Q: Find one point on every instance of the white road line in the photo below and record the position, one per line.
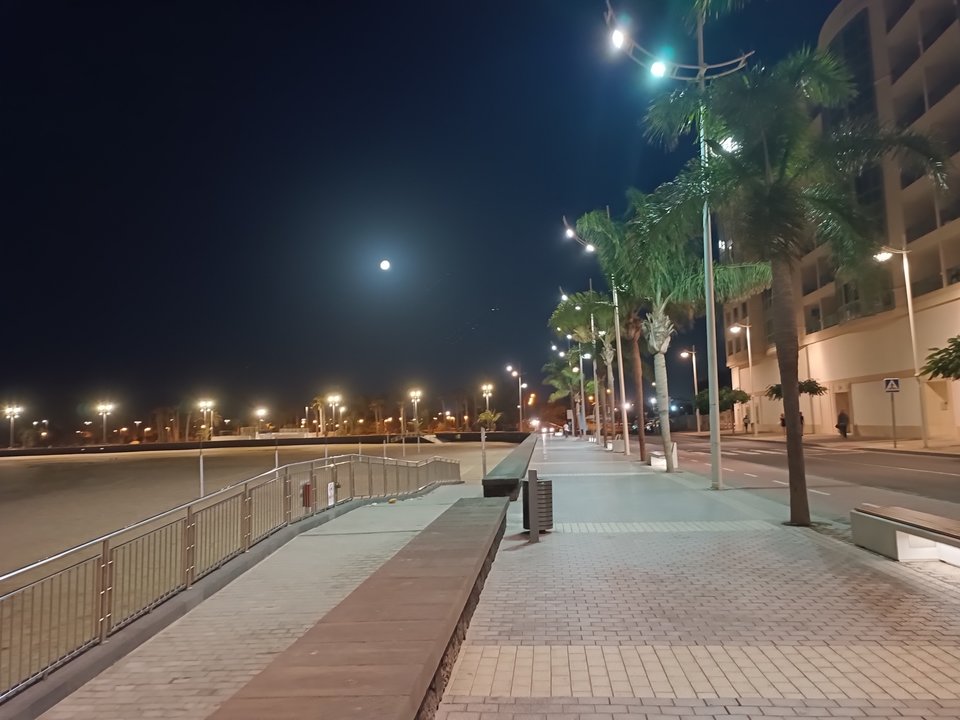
(894, 467)
(781, 482)
(729, 470)
(751, 475)
(818, 492)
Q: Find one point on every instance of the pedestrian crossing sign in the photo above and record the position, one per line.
(891, 385)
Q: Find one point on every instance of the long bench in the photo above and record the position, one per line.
(906, 535)
(387, 650)
(504, 479)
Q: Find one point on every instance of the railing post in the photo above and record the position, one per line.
(353, 488)
(189, 548)
(314, 488)
(287, 498)
(105, 588)
(334, 473)
(246, 517)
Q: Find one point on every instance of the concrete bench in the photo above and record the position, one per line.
(906, 535)
(504, 479)
(386, 651)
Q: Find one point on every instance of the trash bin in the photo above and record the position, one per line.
(544, 504)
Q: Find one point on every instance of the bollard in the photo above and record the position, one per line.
(533, 509)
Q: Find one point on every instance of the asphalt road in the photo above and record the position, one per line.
(49, 504)
(838, 477)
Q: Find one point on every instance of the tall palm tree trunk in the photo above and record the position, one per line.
(788, 354)
(638, 393)
(663, 406)
(602, 400)
(612, 402)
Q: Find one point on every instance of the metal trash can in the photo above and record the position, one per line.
(544, 504)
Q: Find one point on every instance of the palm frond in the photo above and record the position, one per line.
(672, 116)
(820, 77)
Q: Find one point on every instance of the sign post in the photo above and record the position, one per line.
(483, 450)
(891, 386)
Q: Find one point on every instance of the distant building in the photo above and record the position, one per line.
(905, 57)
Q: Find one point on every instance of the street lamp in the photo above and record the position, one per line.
(619, 346)
(487, 389)
(735, 329)
(692, 353)
(104, 409)
(885, 254)
(261, 413)
(206, 406)
(520, 386)
(415, 395)
(13, 412)
(700, 74)
(333, 401)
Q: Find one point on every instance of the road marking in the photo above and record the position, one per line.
(729, 470)
(818, 492)
(594, 474)
(781, 482)
(751, 475)
(894, 467)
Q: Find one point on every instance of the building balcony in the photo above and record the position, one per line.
(921, 227)
(952, 274)
(858, 309)
(926, 285)
(896, 9)
(938, 26)
(903, 61)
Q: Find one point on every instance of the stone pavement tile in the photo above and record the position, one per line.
(189, 669)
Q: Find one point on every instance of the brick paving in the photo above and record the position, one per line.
(656, 598)
(189, 669)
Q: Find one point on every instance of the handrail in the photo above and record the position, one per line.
(74, 600)
(266, 476)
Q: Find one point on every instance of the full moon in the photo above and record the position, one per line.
(384, 264)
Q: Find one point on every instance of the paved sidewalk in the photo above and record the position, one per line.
(655, 597)
(189, 669)
(937, 446)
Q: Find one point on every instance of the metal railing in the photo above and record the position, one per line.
(55, 609)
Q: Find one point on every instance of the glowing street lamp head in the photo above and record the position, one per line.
(509, 368)
(515, 373)
(570, 233)
(564, 297)
(553, 347)
(658, 69)
(618, 38)
(13, 411)
(569, 336)
(883, 256)
(562, 353)
(261, 413)
(384, 264)
(105, 408)
(735, 329)
(589, 247)
(415, 394)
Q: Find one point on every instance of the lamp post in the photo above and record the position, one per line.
(885, 254)
(415, 395)
(692, 354)
(206, 407)
(13, 412)
(735, 329)
(588, 247)
(261, 413)
(104, 409)
(699, 73)
(334, 402)
(520, 386)
(487, 390)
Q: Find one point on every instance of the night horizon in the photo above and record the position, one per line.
(198, 200)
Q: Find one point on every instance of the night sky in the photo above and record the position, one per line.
(196, 195)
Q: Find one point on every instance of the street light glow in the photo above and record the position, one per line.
(658, 69)
(261, 413)
(384, 264)
(618, 38)
(883, 256)
(735, 329)
(589, 247)
(685, 354)
(570, 233)
(509, 368)
(564, 298)
(415, 395)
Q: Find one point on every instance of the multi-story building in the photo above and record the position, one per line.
(905, 58)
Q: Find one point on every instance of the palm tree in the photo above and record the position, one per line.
(662, 269)
(781, 185)
(488, 419)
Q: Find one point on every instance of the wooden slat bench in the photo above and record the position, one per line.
(387, 650)
(903, 534)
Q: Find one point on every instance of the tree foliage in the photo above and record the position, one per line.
(944, 362)
(727, 399)
(488, 419)
(807, 387)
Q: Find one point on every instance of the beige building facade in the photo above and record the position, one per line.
(905, 57)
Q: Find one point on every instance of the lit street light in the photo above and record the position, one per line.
(104, 409)
(13, 412)
(520, 386)
(384, 264)
(735, 329)
(700, 74)
(261, 413)
(487, 389)
(415, 395)
(206, 406)
(333, 401)
(885, 254)
(692, 353)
